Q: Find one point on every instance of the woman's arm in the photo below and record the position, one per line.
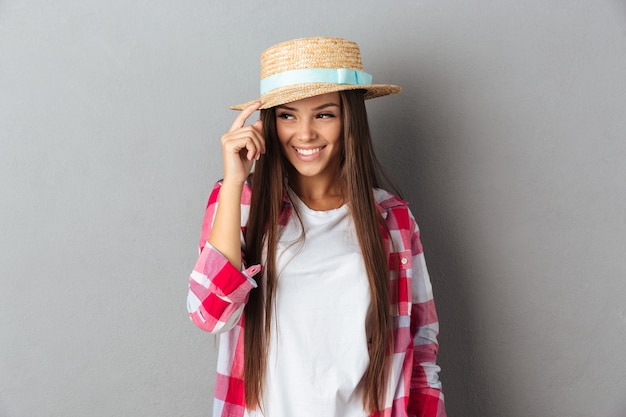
(226, 230)
(218, 287)
(425, 398)
(241, 146)
(218, 290)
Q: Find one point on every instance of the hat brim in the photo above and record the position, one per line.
(296, 92)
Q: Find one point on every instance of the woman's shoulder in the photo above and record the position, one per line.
(394, 211)
(387, 200)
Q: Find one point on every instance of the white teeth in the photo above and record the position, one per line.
(308, 151)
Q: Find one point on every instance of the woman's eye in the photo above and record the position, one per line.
(284, 116)
(325, 115)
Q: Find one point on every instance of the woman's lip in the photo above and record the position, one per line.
(308, 151)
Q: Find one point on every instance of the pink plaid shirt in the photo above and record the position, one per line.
(218, 293)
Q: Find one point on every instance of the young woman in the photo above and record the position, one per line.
(313, 276)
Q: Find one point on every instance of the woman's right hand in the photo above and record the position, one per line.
(241, 146)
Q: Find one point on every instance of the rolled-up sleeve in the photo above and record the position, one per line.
(218, 291)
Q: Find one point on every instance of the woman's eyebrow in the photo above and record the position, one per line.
(323, 106)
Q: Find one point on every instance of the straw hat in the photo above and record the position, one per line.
(307, 67)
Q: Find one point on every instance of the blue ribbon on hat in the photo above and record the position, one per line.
(315, 75)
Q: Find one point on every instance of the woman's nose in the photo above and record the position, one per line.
(306, 130)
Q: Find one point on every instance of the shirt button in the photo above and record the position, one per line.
(404, 261)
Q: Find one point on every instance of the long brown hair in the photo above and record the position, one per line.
(358, 177)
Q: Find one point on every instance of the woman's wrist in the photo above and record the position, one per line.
(232, 184)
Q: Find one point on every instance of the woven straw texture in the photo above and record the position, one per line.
(312, 53)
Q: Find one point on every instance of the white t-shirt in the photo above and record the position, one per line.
(318, 351)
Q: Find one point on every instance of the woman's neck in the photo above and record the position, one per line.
(317, 193)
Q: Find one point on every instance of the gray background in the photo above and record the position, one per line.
(509, 140)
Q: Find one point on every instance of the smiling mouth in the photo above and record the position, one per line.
(307, 152)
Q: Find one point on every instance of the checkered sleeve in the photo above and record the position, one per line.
(218, 291)
(425, 398)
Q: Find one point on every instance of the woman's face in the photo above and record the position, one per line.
(310, 133)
